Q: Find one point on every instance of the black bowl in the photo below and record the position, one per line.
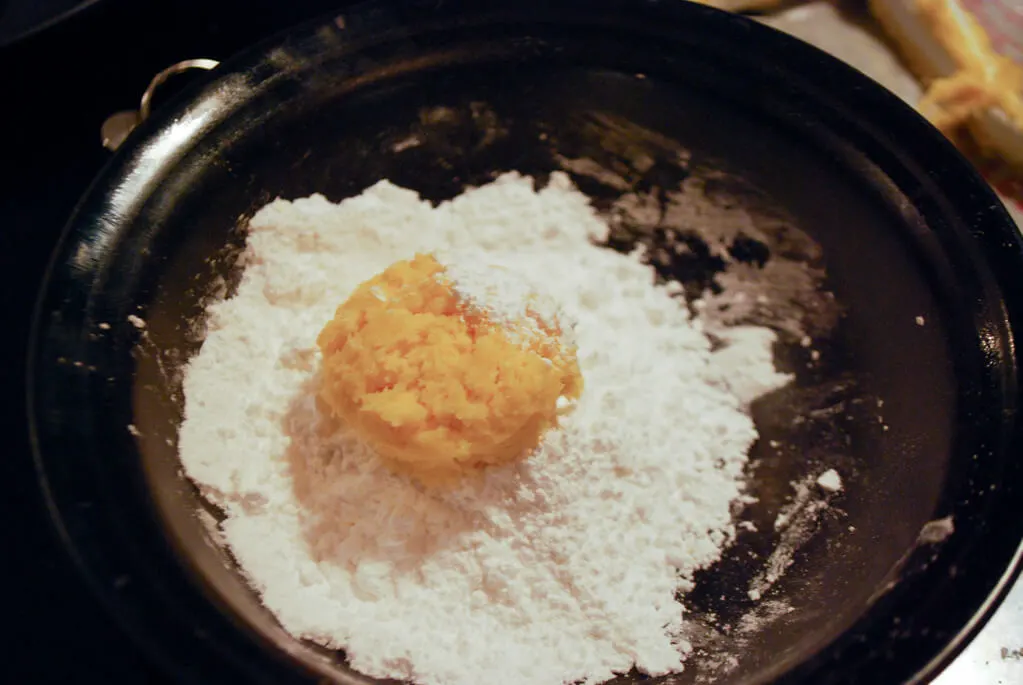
(874, 236)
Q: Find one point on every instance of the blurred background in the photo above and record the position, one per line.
(67, 65)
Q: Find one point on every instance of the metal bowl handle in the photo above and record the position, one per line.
(117, 126)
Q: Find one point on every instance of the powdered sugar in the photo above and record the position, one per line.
(830, 481)
(560, 568)
(497, 291)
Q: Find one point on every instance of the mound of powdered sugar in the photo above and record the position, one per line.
(564, 567)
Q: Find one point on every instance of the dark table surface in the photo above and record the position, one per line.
(57, 86)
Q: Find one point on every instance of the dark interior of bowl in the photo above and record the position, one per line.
(906, 385)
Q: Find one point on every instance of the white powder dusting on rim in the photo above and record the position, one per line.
(563, 567)
(936, 531)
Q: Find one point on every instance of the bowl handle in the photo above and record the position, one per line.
(117, 126)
